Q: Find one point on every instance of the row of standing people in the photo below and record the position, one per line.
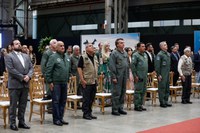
(56, 68)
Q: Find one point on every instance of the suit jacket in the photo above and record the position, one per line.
(2, 65)
(174, 63)
(197, 62)
(16, 71)
(150, 63)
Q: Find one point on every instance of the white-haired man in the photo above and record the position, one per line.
(162, 67)
(185, 71)
(44, 61)
(74, 65)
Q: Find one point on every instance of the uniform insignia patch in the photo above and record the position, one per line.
(58, 59)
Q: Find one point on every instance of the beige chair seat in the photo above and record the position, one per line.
(4, 103)
(103, 94)
(152, 89)
(39, 100)
(74, 97)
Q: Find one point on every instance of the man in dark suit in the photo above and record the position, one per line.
(150, 56)
(174, 64)
(197, 65)
(20, 71)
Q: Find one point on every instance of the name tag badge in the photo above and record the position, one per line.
(164, 63)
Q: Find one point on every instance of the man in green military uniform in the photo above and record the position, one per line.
(74, 65)
(118, 66)
(44, 61)
(139, 66)
(162, 67)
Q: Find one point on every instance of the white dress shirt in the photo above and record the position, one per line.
(19, 55)
(150, 55)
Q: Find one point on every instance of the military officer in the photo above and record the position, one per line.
(119, 74)
(162, 67)
(139, 69)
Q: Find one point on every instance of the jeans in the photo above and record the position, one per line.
(59, 97)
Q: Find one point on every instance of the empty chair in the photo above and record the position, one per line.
(4, 99)
(36, 98)
(72, 94)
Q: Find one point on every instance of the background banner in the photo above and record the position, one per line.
(131, 39)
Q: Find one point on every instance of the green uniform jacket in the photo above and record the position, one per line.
(74, 64)
(139, 65)
(58, 68)
(44, 60)
(162, 63)
(118, 64)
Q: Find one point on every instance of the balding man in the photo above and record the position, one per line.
(185, 70)
(45, 59)
(162, 67)
(57, 76)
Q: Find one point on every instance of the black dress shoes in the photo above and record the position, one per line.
(64, 122)
(138, 109)
(58, 123)
(93, 117)
(163, 105)
(87, 117)
(115, 113)
(184, 102)
(189, 102)
(122, 112)
(143, 109)
(23, 125)
(168, 105)
(13, 127)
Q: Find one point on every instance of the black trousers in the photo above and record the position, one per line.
(175, 78)
(18, 99)
(88, 98)
(186, 88)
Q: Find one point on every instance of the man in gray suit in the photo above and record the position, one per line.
(20, 71)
